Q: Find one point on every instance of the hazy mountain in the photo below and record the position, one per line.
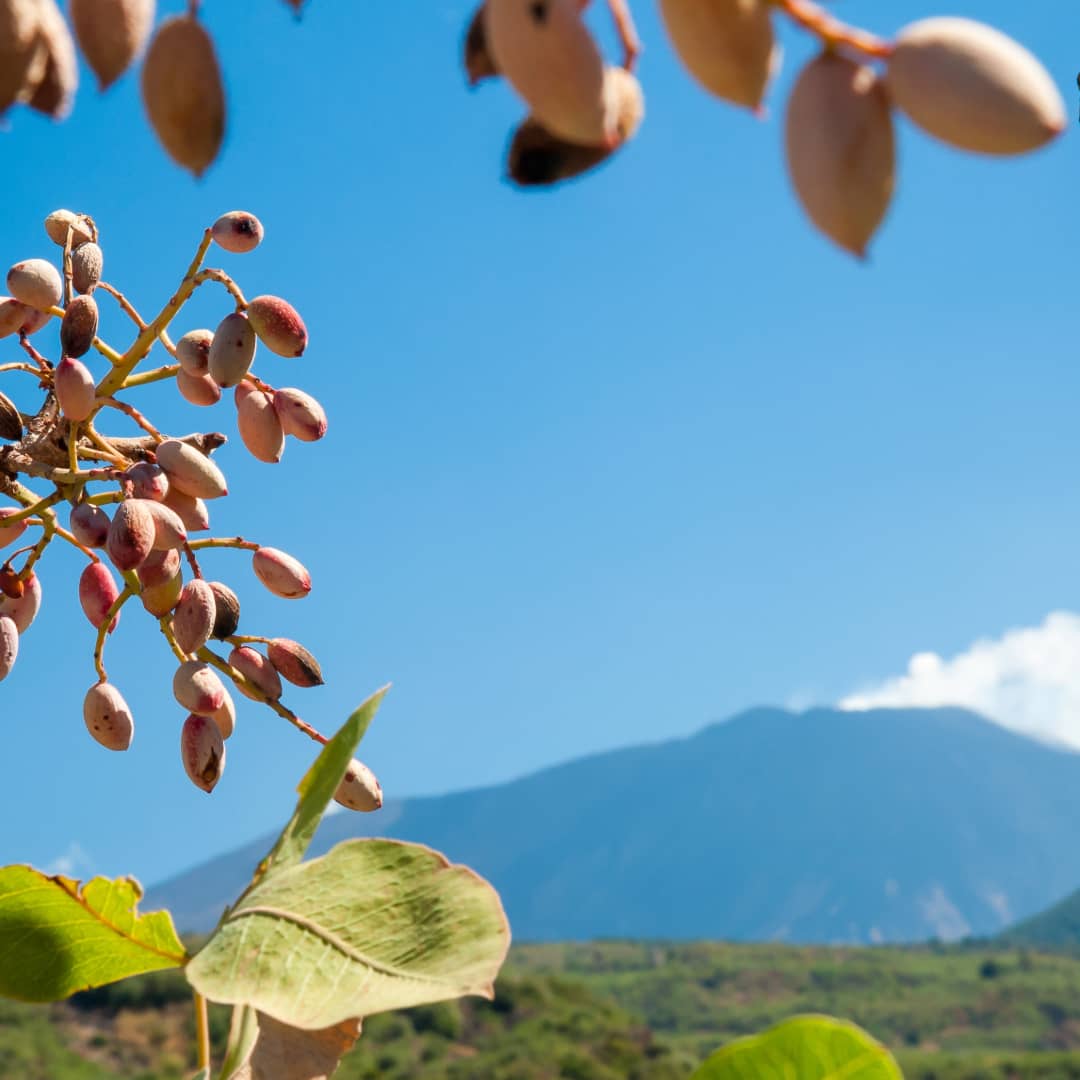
(886, 825)
(1058, 927)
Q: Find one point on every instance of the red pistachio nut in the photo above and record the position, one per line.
(359, 789)
(282, 574)
(258, 671)
(98, 592)
(190, 471)
(278, 325)
(202, 750)
(131, 533)
(197, 687)
(300, 414)
(22, 610)
(193, 618)
(75, 389)
(107, 716)
(294, 663)
(237, 231)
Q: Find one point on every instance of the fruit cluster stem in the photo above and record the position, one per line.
(832, 32)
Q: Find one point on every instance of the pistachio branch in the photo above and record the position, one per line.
(831, 31)
(144, 342)
(248, 687)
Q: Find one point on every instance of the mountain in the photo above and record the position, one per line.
(830, 826)
(1058, 927)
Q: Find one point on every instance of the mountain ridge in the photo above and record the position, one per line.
(823, 825)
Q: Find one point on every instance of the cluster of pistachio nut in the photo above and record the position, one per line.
(961, 81)
(182, 87)
(136, 501)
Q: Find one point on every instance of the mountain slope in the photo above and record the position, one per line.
(1058, 927)
(819, 826)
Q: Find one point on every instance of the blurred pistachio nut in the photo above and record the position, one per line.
(54, 92)
(282, 574)
(226, 611)
(9, 645)
(191, 510)
(183, 93)
(59, 222)
(278, 325)
(974, 87)
(202, 750)
(536, 158)
(232, 350)
(258, 671)
(197, 687)
(111, 34)
(12, 315)
(840, 148)
(259, 427)
(79, 326)
(132, 532)
(10, 533)
(108, 717)
(87, 262)
(148, 481)
(36, 283)
(75, 388)
(547, 53)
(193, 618)
(294, 663)
(158, 567)
(237, 231)
(359, 790)
(624, 104)
(169, 529)
(198, 389)
(22, 60)
(300, 414)
(190, 471)
(193, 351)
(726, 45)
(89, 524)
(225, 717)
(22, 610)
(98, 592)
(11, 426)
(479, 63)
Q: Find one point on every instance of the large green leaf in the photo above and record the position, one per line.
(317, 788)
(372, 925)
(57, 938)
(803, 1048)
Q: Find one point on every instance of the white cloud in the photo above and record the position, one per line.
(72, 863)
(1027, 680)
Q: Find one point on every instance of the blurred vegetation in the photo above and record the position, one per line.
(621, 1011)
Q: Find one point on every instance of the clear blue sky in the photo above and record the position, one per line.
(605, 464)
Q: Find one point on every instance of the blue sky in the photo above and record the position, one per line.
(605, 464)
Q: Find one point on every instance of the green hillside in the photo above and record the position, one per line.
(1057, 927)
(624, 1011)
